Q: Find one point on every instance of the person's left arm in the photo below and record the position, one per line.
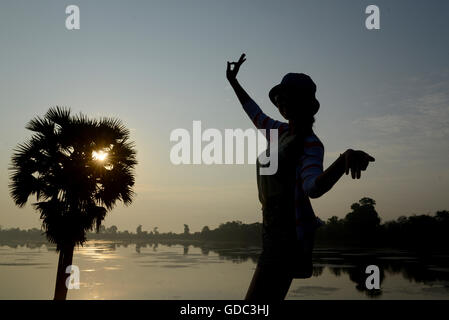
(317, 182)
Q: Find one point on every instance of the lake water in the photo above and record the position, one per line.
(110, 270)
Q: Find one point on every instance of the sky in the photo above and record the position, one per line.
(160, 65)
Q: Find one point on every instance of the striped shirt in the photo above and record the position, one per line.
(308, 168)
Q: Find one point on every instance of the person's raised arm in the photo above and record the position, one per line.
(252, 109)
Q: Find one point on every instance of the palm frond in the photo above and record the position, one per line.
(41, 125)
(58, 115)
(116, 127)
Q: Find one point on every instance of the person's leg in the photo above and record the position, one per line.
(269, 283)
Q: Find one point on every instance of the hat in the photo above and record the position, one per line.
(297, 84)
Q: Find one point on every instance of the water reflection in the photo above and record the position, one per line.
(399, 269)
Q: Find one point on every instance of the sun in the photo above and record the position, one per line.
(99, 155)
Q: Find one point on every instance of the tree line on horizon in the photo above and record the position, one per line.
(360, 227)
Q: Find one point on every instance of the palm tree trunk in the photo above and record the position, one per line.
(65, 260)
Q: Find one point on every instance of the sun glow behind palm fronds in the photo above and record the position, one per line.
(99, 155)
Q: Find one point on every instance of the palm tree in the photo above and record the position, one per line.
(78, 168)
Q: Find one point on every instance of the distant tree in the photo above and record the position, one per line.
(367, 202)
(441, 216)
(362, 223)
(333, 230)
(112, 229)
(205, 230)
(139, 230)
(442, 221)
(186, 229)
(402, 219)
(155, 231)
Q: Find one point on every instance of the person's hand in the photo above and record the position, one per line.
(232, 74)
(356, 161)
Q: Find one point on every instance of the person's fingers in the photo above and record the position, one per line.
(358, 170)
(352, 172)
(346, 164)
(364, 165)
(368, 157)
(366, 160)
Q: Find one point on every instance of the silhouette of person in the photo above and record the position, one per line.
(289, 222)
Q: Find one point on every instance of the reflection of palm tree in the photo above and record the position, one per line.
(78, 168)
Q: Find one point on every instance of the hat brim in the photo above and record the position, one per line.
(283, 88)
(275, 90)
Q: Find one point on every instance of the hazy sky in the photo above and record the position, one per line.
(159, 65)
